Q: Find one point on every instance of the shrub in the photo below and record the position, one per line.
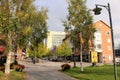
(2, 60)
(15, 62)
(65, 67)
(18, 67)
(2, 68)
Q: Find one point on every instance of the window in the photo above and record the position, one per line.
(100, 24)
(108, 33)
(108, 40)
(110, 57)
(99, 46)
(109, 47)
(98, 30)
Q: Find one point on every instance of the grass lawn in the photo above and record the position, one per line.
(12, 76)
(105, 72)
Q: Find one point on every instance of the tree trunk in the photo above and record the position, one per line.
(7, 65)
(74, 57)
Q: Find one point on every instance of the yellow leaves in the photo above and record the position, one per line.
(27, 30)
(26, 15)
(4, 19)
(82, 41)
(22, 15)
(78, 7)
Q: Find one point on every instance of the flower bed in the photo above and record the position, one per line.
(18, 67)
(2, 68)
(65, 66)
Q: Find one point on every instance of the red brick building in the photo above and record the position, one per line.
(103, 42)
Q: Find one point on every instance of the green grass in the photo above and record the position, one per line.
(105, 72)
(12, 76)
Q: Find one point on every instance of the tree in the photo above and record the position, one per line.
(32, 23)
(42, 50)
(7, 27)
(63, 50)
(39, 27)
(21, 24)
(79, 21)
(22, 12)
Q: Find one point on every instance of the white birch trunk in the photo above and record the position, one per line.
(7, 65)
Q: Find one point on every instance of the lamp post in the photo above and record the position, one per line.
(97, 12)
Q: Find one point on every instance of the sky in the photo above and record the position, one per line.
(57, 11)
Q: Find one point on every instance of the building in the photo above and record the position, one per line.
(103, 42)
(54, 39)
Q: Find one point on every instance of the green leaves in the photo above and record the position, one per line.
(63, 50)
(38, 25)
(39, 51)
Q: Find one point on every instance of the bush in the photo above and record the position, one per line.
(2, 60)
(2, 68)
(18, 67)
(65, 67)
(14, 63)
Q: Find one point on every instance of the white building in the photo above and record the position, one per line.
(54, 39)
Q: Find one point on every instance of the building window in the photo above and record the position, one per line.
(108, 40)
(110, 57)
(100, 24)
(109, 47)
(99, 46)
(98, 30)
(108, 33)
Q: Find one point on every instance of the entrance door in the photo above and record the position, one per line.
(99, 57)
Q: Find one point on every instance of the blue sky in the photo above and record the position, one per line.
(58, 11)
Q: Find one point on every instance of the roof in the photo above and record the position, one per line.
(104, 23)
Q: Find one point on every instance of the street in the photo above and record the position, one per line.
(45, 70)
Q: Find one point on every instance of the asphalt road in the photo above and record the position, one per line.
(45, 70)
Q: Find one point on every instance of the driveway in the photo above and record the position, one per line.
(45, 70)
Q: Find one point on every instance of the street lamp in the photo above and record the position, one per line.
(97, 12)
